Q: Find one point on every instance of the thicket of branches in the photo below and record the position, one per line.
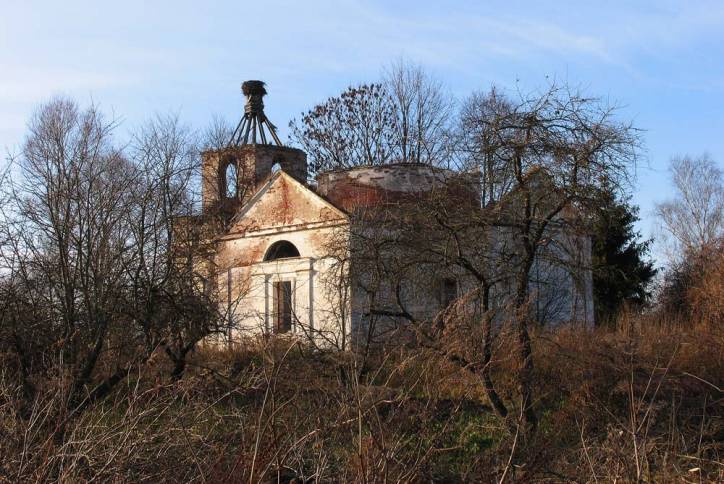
(540, 165)
(692, 235)
(91, 285)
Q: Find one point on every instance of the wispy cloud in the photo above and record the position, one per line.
(28, 84)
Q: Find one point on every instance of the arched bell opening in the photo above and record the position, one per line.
(231, 184)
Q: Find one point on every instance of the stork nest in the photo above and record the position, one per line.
(253, 87)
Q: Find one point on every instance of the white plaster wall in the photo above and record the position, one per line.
(327, 309)
(246, 283)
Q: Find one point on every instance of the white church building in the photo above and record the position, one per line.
(278, 246)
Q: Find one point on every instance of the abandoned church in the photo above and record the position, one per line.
(284, 253)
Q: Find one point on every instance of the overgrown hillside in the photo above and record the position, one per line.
(642, 402)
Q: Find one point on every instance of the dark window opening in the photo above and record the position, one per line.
(281, 250)
(448, 292)
(282, 306)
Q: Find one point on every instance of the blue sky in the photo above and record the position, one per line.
(663, 61)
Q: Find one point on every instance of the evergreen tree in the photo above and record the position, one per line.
(622, 272)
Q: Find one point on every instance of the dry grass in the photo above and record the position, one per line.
(639, 403)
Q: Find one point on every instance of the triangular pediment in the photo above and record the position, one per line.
(282, 202)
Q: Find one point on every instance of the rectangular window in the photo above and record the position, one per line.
(448, 292)
(282, 306)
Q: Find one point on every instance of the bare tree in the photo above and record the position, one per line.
(694, 218)
(167, 299)
(90, 264)
(217, 134)
(515, 221)
(404, 118)
(510, 229)
(478, 145)
(545, 158)
(423, 110)
(348, 130)
(67, 233)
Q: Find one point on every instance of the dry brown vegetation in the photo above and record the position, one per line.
(641, 402)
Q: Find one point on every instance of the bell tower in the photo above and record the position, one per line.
(232, 174)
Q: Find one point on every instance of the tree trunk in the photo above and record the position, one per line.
(490, 390)
(525, 373)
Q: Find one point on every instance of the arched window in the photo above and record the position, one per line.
(281, 250)
(231, 182)
(276, 166)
